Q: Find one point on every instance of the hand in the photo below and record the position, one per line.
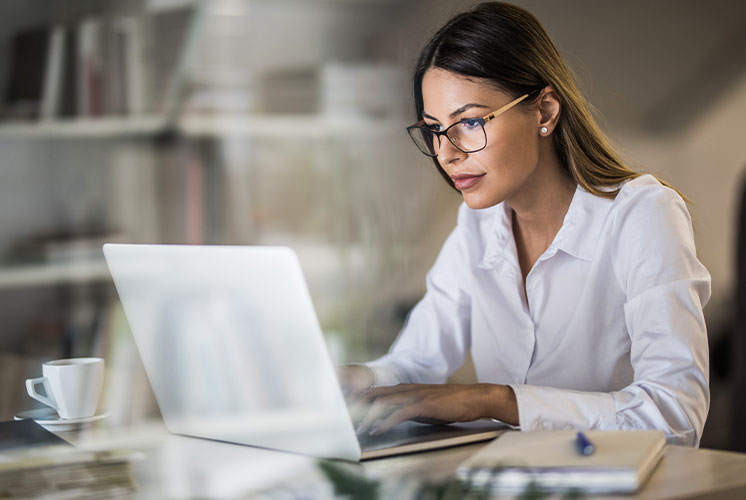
(354, 379)
(381, 408)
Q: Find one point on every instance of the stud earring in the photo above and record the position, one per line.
(544, 130)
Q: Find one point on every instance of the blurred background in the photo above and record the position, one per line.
(282, 122)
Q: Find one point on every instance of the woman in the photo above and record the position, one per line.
(572, 279)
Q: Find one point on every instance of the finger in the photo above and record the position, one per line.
(357, 410)
(365, 393)
(363, 410)
(359, 399)
(394, 419)
(354, 398)
(381, 407)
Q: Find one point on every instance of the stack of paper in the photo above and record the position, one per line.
(62, 472)
(549, 461)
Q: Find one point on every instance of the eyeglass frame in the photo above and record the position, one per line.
(491, 116)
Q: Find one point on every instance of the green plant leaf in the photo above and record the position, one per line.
(348, 482)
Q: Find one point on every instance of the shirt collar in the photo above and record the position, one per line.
(583, 223)
(578, 235)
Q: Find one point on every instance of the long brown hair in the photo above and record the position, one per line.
(508, 47)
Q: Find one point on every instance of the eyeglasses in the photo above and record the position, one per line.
(467, 135)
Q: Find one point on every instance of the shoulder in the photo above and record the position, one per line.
(652, 236)
(646, 195)
(646, 208)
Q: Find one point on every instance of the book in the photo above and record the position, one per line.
(61, 471)
(129, 33)
(37, 463)
(52, 91)
(170, 30)
(114, 72)
(28, 61)
(68, 105)
(549, 461)
(90, 63)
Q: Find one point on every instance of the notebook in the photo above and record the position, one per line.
(548, 460)
(234, 352)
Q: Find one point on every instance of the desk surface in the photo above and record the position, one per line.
(683, 473)
(182, 467)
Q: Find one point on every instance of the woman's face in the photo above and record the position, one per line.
(501, 170)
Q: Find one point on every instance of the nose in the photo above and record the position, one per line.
(447, 152)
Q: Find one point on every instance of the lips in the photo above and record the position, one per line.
(466, 181)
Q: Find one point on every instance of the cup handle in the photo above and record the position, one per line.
(31, 389)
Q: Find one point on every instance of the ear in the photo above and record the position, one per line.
(549, 110)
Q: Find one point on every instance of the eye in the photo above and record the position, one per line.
(433, 126)
(471, 123)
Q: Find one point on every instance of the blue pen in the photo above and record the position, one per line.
(584, 445)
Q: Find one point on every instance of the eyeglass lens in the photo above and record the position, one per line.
(467, 135)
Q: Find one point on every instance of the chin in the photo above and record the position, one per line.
(478, 200)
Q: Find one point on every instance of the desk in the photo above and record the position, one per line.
(182, 467)
(683, 473)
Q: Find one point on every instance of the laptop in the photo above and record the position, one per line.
(234, 352)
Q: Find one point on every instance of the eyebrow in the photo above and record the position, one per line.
(460, 110)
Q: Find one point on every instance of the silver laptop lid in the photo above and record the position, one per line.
(232, 346)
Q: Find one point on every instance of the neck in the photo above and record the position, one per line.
(539, 209)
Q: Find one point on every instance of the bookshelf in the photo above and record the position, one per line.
(317, 140)
(80, 151)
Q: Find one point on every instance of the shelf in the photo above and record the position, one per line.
(67, 273)
(82, 128)
(289, 126)
(249, 126)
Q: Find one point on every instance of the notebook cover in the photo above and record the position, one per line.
(622, 461)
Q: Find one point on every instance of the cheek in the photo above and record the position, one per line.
(512, 154)
(509, 162)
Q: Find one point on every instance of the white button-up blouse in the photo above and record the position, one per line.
(609, 334)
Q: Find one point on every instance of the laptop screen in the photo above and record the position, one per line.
(232, 346)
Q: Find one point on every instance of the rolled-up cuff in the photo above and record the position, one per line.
(549, 408)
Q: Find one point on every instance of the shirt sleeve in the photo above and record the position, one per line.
(655, 262)
(435, 339)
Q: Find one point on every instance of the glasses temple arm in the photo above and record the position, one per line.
(502, 110)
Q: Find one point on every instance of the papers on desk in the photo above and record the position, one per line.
(61, 471)
(549, 461)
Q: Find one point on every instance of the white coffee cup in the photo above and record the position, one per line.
(72, 386)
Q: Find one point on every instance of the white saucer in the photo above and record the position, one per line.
(50, 420)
